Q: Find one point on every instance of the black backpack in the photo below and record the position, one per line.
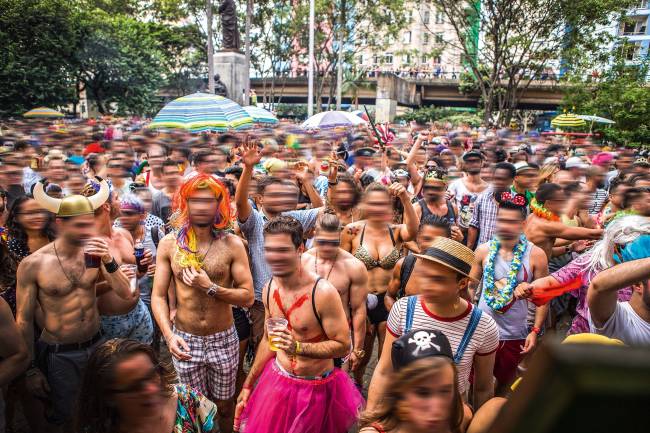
(405, 273)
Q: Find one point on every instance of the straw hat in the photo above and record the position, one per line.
(449, 253)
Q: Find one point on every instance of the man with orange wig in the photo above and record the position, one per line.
(209, 267)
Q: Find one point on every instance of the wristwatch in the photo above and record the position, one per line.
(360, 353)
(212, 290)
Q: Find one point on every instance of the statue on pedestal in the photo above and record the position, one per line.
(229, 29)
(220, 88)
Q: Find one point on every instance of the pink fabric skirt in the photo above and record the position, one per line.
(281, 403)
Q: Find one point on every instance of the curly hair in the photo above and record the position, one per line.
(17, 231)
(95, 410)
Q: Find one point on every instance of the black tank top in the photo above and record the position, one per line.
(451, 216)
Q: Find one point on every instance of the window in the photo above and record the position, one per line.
(409, 16)
(360, 59)
(440, 39)
(425, 17)
(406, 38)
(425, 39)
(388, 58)
(632, 51)
(375, 59)
(406, 59)
(440, 17)
(423, 60)
(437, 60)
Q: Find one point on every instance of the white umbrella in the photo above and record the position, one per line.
(595, 119)
(332, 119)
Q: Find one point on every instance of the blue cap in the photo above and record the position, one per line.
(639, 249)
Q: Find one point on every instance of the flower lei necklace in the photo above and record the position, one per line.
(542, 212)
(495, 298)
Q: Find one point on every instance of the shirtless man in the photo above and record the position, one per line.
(277, 394)
(543, 226)
(56, 280)
(120, 318)
(346, 273)
(209, 267)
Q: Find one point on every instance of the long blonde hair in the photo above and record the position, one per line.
(546, 173)
(403, 381)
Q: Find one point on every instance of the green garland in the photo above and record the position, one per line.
(495, 298)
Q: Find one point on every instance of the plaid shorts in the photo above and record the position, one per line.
(213, 366)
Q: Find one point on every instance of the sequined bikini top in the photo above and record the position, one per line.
(387, 262)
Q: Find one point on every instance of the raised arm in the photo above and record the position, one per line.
(409, 229)
(603, 290)
(14, 357)
(250, 157)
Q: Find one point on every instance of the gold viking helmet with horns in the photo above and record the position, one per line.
(72, 205)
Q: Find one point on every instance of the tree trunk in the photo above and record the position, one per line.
(210, 49)
(247, 48)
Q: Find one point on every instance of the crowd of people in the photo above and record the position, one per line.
(304, 282)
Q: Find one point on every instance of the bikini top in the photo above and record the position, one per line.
(387, 262)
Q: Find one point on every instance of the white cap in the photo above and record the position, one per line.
(575, 162)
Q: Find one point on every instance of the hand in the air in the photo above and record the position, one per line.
(397, 190)
(98, 247)
(251, 154)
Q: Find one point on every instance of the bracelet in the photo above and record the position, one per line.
(298, 348)
(332, 183)
(111, 266)
(536, 330)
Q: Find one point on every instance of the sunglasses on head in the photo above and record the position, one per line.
(328, 242)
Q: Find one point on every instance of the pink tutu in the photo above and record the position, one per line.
(282, 403)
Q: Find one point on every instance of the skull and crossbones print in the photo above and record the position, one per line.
(423, 341)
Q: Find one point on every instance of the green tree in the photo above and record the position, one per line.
(520, 40)
(119, 62)
(38, 40)
(622, 95)
(356, 24)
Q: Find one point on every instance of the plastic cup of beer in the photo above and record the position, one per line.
(133, 278)
(275, 324)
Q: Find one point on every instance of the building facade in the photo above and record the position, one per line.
(426, 48)
(636, 30)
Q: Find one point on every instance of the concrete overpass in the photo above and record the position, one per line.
(387, 91)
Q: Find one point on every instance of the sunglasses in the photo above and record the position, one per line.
(327, 242)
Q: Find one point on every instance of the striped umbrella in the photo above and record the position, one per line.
(567, 121)
(260, 115)
(202, 112)
(43, 112)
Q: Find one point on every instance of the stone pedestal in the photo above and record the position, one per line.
(231, 67)
(385, 110)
